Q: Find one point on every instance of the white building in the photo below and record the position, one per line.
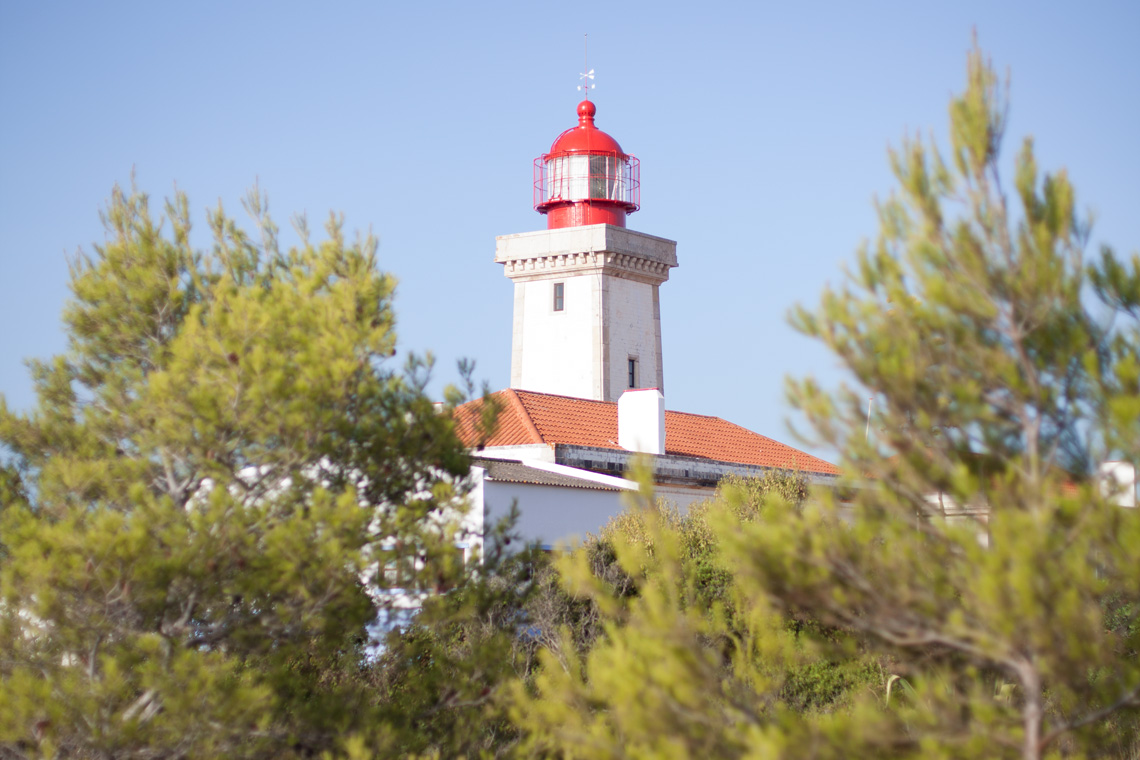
(587, 371)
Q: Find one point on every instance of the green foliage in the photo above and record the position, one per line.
(660, 661)
(443, 675)
(741, 497)
(973, 561)
(823, 685)
(653, 652)
(185, 538)
(999, 383)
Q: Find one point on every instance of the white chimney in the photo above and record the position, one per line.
(1118, 480)
(641, 421)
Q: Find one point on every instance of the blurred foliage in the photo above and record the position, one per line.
(652, 650)
(213, 475)
(973, 558)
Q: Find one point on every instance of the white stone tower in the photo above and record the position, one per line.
(587, 316)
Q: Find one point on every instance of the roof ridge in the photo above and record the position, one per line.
(521, 410)
(562, 396)
(705, 416)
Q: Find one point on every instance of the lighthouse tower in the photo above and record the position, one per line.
(587, 315)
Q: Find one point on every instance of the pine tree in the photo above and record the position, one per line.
(214, 475)
(985, 553)
(650, 648)
(974, 551)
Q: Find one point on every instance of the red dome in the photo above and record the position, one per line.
(586, 138)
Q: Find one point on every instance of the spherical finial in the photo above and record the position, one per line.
(586, 111)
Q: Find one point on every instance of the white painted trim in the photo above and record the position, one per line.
(528, 453)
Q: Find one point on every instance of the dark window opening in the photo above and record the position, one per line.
(633, 373)
(559, 296)
(599, 176)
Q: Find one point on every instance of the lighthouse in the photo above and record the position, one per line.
(587, 308)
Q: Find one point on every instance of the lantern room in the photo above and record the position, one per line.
(586, 178)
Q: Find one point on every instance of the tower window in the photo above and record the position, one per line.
(633, 373)
(559, 296)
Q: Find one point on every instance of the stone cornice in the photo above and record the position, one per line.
(600, 248)
(622, 265)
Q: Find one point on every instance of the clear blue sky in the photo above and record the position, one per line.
(762, 129)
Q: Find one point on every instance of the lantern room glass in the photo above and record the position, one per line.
(588, 177)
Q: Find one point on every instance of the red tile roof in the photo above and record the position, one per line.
(529, 418)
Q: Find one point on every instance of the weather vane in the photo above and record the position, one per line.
(589, 73)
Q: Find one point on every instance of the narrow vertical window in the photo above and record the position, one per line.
(633, 373)
(559, 296)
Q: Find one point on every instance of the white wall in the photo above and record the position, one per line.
(557, 350)
(550, 514)
(632, 330)
(1119, 482)
(682, 497)
(583, 350)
